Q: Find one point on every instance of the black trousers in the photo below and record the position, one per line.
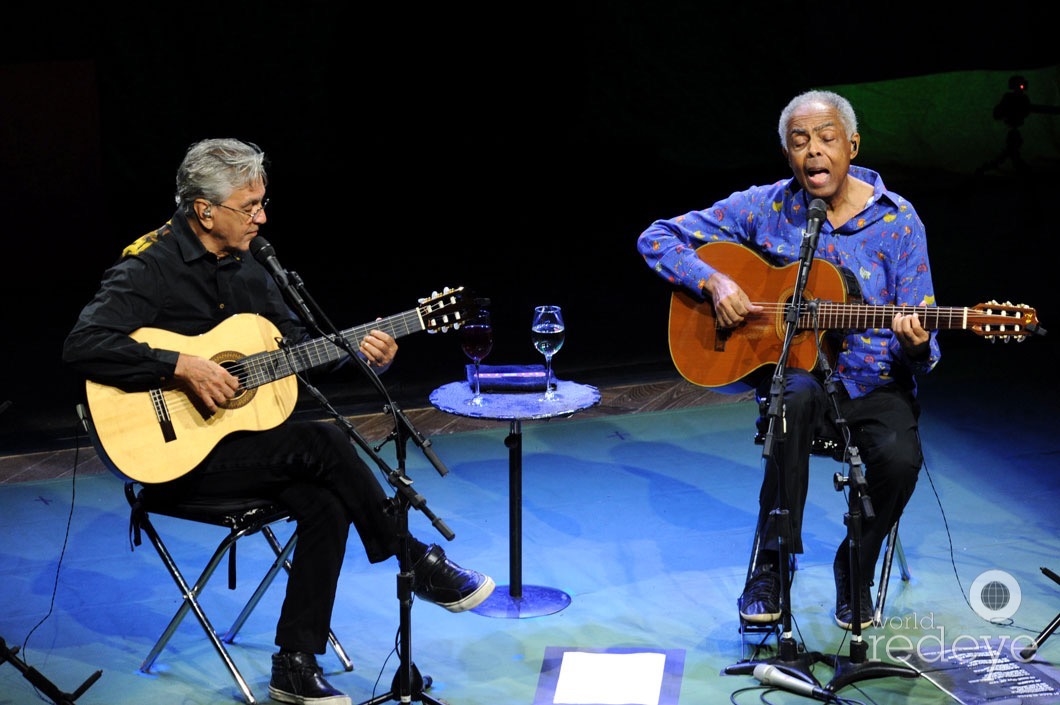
(311, 468)
(884, 427)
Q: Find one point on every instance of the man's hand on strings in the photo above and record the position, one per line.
(731, 305)
(211, 383)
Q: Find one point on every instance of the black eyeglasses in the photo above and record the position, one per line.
(250, 214)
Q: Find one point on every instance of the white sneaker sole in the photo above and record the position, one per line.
(474, 599)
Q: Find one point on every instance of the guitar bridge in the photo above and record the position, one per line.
(165, 421)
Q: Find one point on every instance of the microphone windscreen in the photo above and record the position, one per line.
(261, 249)
(818, 210)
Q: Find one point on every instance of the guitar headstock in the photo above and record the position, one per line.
(445, 310)
(997, 321)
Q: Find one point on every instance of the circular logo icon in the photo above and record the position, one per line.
(995, 595)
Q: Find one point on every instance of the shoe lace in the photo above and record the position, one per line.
(764, 584)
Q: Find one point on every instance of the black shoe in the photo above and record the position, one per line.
(760, 601)
(437, 579)
(296, 678)
(844, 613)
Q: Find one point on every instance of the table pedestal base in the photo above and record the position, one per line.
(536, 601)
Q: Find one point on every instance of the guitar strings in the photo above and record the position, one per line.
(998, 318)
(260, 368)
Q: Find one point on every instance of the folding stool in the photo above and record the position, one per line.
(242, 517)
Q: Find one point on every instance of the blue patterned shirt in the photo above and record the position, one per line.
(884, 247)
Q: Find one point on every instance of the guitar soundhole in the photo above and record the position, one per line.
(228, 360)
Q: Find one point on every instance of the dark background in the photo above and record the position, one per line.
(517, 153)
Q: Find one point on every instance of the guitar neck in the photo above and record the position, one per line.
(264, 367)
(830, 315)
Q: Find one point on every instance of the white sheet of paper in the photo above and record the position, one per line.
(609, 679)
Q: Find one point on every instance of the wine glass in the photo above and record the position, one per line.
(546, 333)
(476, 339)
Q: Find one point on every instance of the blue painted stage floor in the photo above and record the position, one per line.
(644, 519)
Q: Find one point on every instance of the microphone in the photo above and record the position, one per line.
(264, 253)
(814, 218)
(775, 678)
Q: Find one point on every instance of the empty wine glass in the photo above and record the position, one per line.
(546, 333)
(476, 339)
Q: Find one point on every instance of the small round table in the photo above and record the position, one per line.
(517, 600)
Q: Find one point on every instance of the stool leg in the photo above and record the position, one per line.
(894, 544)
(282, 553)
(755, 548)
(282, 561)
(902, 564)
(191, 603)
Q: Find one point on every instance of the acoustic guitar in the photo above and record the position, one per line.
(723, 358)
(161, 434)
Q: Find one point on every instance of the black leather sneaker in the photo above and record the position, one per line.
(760, 601)
(437, 579)
(296, 678)
(844, 613)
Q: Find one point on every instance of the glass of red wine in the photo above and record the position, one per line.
(476, 339)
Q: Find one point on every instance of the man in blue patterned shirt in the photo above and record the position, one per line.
(876, 238)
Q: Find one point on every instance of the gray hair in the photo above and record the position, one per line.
(833, 100)
(214, 168)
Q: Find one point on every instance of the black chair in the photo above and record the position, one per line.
(827, 447)
(241, 518)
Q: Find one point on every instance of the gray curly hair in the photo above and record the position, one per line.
(833, 100)
(214, 168)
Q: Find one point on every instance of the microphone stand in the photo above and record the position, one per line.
(1028, 653)
(788, 659)
(857, 666)
(408, 684)
(39, 681)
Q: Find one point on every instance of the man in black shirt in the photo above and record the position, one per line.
(187, 277)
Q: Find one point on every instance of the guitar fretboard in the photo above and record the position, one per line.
(826, 314)
(831, 315)
(264, 367)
